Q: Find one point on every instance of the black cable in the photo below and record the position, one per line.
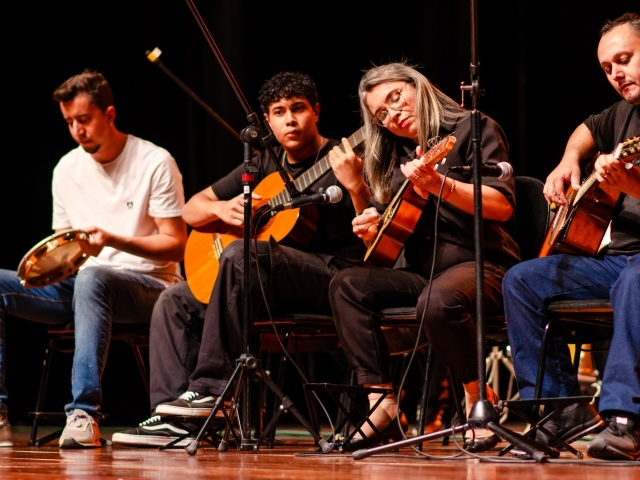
(256, 223)
(422, 318)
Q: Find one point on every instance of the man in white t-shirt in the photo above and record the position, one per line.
(127, 194)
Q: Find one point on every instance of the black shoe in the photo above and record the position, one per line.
(571, 423)
(619, 441)
(189, 404)
(481, 444)
(153, 432)
(391, 432)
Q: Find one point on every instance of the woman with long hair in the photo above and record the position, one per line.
(404, 115)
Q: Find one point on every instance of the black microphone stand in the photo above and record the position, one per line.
(483, 413)
(247, 364)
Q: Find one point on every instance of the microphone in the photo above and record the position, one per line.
(502, 171)
(333, 194)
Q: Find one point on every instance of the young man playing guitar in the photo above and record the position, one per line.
(614, 273)
(193, 355)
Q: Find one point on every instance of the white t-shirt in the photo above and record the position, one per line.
(123, 197)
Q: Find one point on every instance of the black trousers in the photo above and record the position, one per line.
(358, 295)
(293, 280)
(174, 342)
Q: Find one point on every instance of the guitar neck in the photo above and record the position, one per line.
(309, 177)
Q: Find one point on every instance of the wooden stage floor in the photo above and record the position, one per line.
(49, 462)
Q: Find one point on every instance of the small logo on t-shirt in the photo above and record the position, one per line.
(129, 205)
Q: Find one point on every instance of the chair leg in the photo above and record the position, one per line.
(281, 372)
(424, 399)
(347, 425)
(44, 379)
(576, 357)
(142, 368)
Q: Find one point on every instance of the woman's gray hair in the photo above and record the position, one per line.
(432, 109)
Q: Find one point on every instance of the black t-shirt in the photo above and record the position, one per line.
(455, 227)
(614, 125)
(334, 235)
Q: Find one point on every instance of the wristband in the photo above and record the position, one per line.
(453, 187)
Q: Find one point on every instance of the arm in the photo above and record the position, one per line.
(168, 244)
(205, 207)
(347, 167)
(580, 147)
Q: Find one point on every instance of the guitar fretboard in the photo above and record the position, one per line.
(309, 177)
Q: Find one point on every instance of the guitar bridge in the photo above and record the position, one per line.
(217, 247)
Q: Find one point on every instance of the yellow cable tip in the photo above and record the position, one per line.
(154, 55)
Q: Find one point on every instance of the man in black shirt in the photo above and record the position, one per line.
(192, 353)
(614, 273)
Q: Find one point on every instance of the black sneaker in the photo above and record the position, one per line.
(153, 432)
(619, 441)
(189, 404)
(571, 423)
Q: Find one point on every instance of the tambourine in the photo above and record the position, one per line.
(54, 258)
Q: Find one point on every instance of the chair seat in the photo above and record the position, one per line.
(584, 321)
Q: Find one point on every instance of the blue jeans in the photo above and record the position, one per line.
(530, 286)
(93, 299)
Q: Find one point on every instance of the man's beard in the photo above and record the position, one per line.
(91, 150)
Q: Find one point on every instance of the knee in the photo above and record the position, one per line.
(627, 285)
(343, 284)
(513, 279)
(234, 252)
(92, 277)
(441, 308)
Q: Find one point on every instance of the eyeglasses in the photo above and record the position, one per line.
(396, 102)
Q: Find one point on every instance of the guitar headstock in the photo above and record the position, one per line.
(629, 151)
(440, 150)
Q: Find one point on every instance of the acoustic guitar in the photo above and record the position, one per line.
(579, 226)
(295, 227)
(401, 216)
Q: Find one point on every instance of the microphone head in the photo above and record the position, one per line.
(507, 171)
(334, 194)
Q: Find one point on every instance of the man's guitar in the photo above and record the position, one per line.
(295, 227)
(580, 226)
(402, 214)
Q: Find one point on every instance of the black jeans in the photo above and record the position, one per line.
(176, 334)
(358, 295)
(292, 279)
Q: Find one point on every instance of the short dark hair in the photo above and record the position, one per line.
(287, 85)
(92, 83)
(633, 19)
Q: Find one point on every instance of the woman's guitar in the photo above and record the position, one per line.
(295, 227)
(402, 215)
(580, 226)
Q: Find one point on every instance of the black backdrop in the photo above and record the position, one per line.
(539, 69)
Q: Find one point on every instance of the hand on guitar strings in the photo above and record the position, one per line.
(615, 174)
(231, 211)
(365, 225)
(424, 178)
(554, 187)
(346, 165)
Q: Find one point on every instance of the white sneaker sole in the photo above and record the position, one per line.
(169, 410)
(148, 440)
(73, 443)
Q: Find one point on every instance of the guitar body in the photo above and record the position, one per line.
(295, 227)
(580, 226)
(401, 216)
(398, 221)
